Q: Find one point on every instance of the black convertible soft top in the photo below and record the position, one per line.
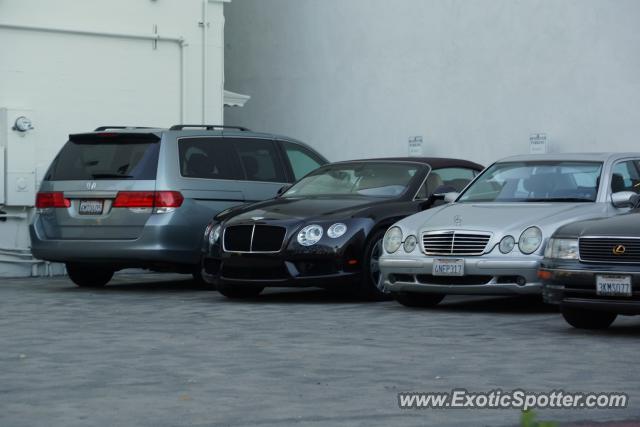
(434, 162)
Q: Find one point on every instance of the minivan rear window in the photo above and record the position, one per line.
(98, 157)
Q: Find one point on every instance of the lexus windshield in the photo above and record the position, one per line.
(536, 181)
(360, 179)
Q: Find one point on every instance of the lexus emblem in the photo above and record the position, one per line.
(619, 250)
(91, 185)
(457, 220)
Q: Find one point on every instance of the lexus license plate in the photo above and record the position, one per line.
(91, 207)
(613, 285)
(448, 267)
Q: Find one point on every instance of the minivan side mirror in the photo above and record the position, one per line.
(283, 189)
(624, 199)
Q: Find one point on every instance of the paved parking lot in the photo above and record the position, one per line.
(163, 353)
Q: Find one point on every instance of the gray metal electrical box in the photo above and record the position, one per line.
(17, 141)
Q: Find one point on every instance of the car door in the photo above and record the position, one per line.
(625, 176)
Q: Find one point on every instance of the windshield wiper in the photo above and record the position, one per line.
(559, 199)
(110, 175)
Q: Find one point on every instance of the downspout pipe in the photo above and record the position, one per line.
(180, 41)
(205, 40)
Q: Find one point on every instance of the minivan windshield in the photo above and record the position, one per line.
(536, 181)
(97, 158)
(361, 179)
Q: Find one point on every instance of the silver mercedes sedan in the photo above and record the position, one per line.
(490, 238)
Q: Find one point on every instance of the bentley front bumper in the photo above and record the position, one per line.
(482, 276)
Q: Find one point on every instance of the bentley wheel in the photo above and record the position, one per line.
(414, 299)
(239, 291)
(88, 276)
(587, 319)
(372, 286)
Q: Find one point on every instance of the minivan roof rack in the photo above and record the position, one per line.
(209, 127)
(101, 128)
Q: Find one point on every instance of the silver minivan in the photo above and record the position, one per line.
(124, 197)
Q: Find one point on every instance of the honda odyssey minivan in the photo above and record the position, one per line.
(123, 197)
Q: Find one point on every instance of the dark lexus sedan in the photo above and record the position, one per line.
(326, 230)
(592, 270)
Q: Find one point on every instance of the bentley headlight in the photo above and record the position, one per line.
(507, 244)
(530, 240)
(336, 230)
(310, 235)
(392, 239)
(562, 249)
(214, 234)
(410, 244)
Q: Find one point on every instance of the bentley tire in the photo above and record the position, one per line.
(414, 299)
(587, 319)
(372, 285)
(88, 276)
(239, 292)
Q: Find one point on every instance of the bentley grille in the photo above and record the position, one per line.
(454, 243)
(609, 249)
(253, 238)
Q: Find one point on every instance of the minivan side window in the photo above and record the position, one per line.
(260, 159)
(302, 160)
(209, 158)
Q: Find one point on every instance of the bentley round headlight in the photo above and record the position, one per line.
(410, 243)
(530, 240)
(310, 235)
(392, 239)
(214, 234)
(336, 230)
(507, 244)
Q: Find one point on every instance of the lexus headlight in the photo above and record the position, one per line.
(392, 239)
(310, 235)
(530, 240)
(214, 234)
(562, 249)
(336, 230)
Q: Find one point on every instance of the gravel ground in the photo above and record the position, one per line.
(153, 350)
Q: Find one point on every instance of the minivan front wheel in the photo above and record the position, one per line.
(88, 275)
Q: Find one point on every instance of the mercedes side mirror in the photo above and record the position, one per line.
(450, 197)
(283, 189)
(624, 199)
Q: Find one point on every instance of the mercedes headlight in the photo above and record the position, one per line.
(562, 249)
(507, 244)
(310, 235)
(336, 230)
(214, 234)
(410, 244)
(530, 240)
(392, 239)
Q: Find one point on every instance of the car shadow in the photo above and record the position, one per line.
(153, 282)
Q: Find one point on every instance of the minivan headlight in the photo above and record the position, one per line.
(392, 239)
(214, 234)
(310, 235)
(530, 240)
(562, 249)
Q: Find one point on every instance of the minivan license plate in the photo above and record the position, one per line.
(91, 207)
(614, 286)
(448, 267)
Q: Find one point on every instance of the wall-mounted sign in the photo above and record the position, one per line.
(415, 146)
(538, 143)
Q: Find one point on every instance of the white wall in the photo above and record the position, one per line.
(474, 77)
(75, 82)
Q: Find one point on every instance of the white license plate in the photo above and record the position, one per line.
(448, 267)
(612, 285)
(91, 207)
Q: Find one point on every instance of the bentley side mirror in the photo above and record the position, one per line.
(624, 199)
(437, 199)
(283, 189)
